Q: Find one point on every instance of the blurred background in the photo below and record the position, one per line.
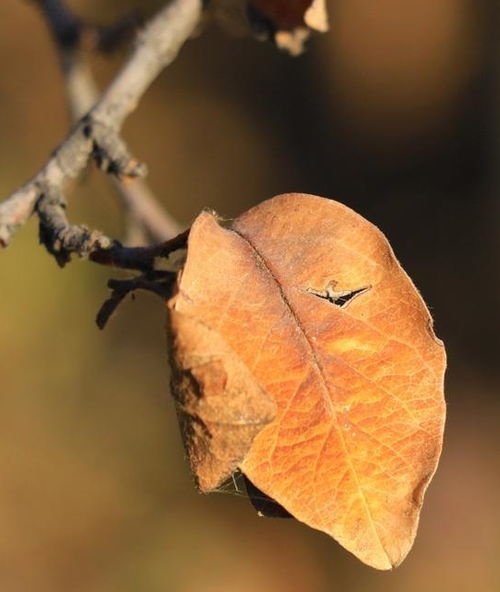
(396, 113)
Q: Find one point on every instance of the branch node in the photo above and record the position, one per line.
(110, 152)
(60, 238)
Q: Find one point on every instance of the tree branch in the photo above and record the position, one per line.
(146, 220)
(97, 134)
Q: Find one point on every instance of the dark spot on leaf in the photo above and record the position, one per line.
(341, 298)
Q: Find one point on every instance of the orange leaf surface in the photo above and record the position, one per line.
(300, 306)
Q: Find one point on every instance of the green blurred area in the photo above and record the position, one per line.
(395, 112)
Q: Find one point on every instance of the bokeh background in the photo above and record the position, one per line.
(396, 113)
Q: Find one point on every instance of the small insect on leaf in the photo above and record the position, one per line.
(304, 357)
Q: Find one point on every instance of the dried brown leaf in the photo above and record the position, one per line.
(288, 22)
(304, 301)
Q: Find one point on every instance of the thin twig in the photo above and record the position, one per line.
(160, 284)
(97, 134)
(61, 239)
